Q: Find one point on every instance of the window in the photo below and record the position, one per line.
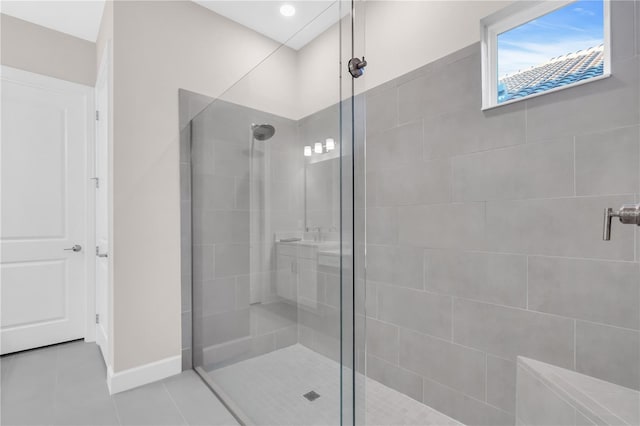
(531, 48)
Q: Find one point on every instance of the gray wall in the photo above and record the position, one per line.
(41, 50)
(484, 232)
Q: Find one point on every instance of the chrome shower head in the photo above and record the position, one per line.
(262, 132)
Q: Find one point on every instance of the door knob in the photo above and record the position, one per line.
(629, 214)
(75, 248)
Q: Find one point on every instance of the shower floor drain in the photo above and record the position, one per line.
(312, 396)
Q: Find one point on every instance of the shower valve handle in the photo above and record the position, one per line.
(629, 214)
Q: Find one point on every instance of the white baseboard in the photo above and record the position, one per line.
(148, 373)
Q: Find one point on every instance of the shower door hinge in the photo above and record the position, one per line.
(97, 115)
(97, 318)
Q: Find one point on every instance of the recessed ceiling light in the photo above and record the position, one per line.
(287, 10)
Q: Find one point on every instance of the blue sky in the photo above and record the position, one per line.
(574, 27)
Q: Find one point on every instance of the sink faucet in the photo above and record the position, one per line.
(317, 233)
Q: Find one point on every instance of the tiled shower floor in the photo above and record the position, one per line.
(269, 389)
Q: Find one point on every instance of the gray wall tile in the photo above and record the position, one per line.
(232, 259)
(203, 263)
(425, 312)
(382, 111)
(614, 101)
(462, 407)
(525, 171)
(397, 265)
(382, 225)
(604, 292)
(411, 96)
(212, 192)
(231, 158)
(417, 183)
(501, 383)
(459, 225)
(217, 296)
(395, 377)
(220, 226)
(445, 136)
(452, 365)
(638, 27)
(187, 360)
(230, 226)
(510, 332)
(489, 277)
(607, 162)
(185, 181)
(395, 147)
(608, 353)
(370, 297)
(557, 227)
(622, 33)
(243, 284)
(449, 86)
(382, 340)
(186, 330)
(286, 337)
(224, 327)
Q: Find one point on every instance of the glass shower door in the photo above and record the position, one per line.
(272, 272)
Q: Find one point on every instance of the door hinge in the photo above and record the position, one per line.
(97, 115)
(97, 318)
(100, 254)
(97, 181)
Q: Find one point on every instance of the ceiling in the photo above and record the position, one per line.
(312, 17)
(79, 18)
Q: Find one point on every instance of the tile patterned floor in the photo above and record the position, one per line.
(269, 390)
(65, 385)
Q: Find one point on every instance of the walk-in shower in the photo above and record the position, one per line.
(382, 251)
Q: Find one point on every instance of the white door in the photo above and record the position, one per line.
(43, 177)
(102, 221)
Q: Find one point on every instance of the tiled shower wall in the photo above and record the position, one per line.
(215, 151)
(484, 232)
(215, 176)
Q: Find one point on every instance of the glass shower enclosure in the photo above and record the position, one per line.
(270, 206)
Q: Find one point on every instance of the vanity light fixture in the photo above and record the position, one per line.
(330, 144)
(320, 148)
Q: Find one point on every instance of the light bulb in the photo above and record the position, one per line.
(307, 151)
(287, 10)
(330, 144)
(317, 148)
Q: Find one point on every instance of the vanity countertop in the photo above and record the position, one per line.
(321, 245)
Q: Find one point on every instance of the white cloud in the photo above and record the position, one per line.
(582, 11)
